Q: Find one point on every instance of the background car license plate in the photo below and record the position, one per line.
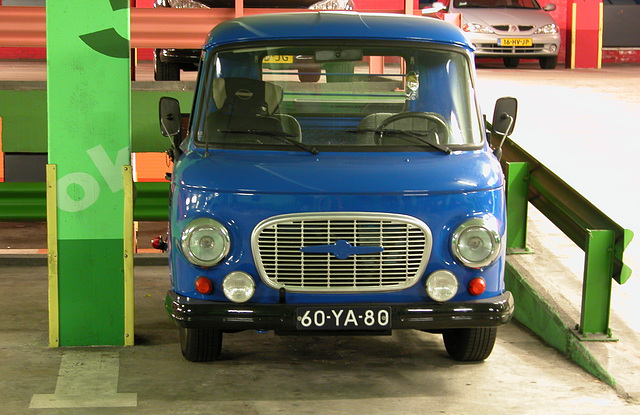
(344, 318)
(515, 42)
(278, 59)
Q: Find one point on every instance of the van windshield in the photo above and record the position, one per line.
(338, 97)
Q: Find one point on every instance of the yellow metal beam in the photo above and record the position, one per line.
(52, 255)
(129, 303)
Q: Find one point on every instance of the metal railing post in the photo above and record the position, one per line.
(596, 286)
(517, 176)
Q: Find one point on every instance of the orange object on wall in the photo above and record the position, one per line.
(150, 167)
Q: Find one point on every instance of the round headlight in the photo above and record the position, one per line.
(476, 243)
(238, 287)
(442, 285)
(205, 242)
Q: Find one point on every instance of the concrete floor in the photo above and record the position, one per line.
(407, 373)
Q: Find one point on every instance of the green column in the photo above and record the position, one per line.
(88, 103)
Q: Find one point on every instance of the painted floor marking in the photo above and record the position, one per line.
(86, 380)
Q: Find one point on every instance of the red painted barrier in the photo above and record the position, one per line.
(584, 22)
(150, 28)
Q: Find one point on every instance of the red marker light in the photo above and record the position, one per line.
(158, 243)
(204, 285)
(477, 286)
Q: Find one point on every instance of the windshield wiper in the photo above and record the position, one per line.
(405, 134)
(282, 136)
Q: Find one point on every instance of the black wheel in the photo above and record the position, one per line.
(470, 345)
(163, 71)
(549, 62)
(511, 62)
(200, 345)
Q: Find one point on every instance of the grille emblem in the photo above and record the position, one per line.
(341, 249)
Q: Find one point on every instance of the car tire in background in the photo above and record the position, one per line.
(511, 62)
(164, 71)
(549, 62)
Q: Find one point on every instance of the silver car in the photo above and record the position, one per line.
(509, 29)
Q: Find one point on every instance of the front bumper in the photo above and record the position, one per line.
(191, 313)
(542, 46)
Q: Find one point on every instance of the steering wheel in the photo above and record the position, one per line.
(441, 128)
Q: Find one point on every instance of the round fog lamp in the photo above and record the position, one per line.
(442, 285)
(238, 287)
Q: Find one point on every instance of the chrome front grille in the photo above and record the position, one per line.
(493, 48)
(341, 252)
(512, 28)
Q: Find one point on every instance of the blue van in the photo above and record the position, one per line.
(336, 177)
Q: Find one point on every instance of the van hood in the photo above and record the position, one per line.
(270, 172)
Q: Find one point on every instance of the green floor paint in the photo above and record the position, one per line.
(91, 292)
(535, 313)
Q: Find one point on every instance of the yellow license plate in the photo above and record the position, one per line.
(515, 42)
(278, 59)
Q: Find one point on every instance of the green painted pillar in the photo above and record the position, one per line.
(88, 103)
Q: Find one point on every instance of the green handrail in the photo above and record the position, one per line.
(23, 202)
(601, 238)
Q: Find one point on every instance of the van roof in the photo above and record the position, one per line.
(335, 25)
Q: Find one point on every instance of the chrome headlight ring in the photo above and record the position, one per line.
(205, 242)
(476, 242)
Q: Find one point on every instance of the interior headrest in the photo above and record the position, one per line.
(263, 96)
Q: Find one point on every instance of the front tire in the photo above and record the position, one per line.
(200, 345)
(470, 345)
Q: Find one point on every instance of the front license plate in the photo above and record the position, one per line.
(515, 42)
(344, 318)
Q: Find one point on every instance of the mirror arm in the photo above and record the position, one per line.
(498, 151)
(165, 130)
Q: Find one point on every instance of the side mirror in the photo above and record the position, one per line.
(435, 8)
(549, 7)
(170, 117)
(504, 120)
